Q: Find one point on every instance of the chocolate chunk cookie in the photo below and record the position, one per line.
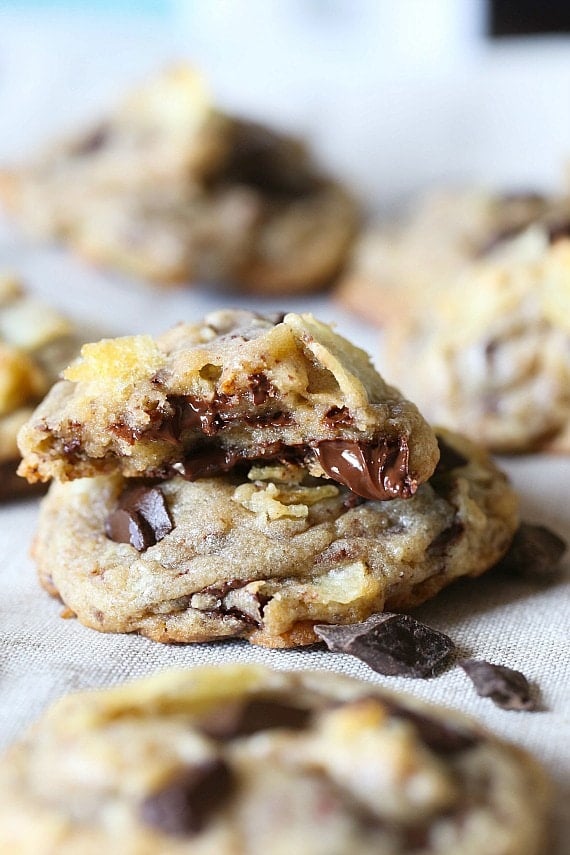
(204, 398)
(493, 351)
(171, 189)
(266, 551)
(239, 760)
(480, 307)
(36, 342)
(398, 268)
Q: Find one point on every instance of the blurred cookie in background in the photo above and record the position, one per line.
(171, 189)
(36, 343)
(474, 293)
(397, 268)
(491, 351)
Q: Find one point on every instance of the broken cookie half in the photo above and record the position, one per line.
(205, 398)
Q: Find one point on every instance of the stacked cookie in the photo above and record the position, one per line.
(172, 189)
(474, 292)
(36, 342)
(250, 477)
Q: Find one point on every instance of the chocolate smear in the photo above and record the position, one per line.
(141, 518)
(372, 470)
(534, 552)
(507, 688)
(391, 644)
(184, 805)
(253, 716)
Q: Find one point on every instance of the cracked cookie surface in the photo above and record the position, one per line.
(267, 554)
(240, 759)
(238, 386)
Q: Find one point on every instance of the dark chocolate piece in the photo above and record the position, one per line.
(93, 142)
(439, 736)
(446, 538)
(260, 389)
(141, 518)
(124, 526)
(374, 471)
(558, 229)
(449, 458)
(534, 552)
(391, 644)
(253, 716)
(184, 805)
(507, 688)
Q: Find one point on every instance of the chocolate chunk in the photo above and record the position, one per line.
(338, 416)
(449, 457)
(93, 142)
(507, 688)
(126, 526)
(184, 805)
(558, 229)
(395, 645)
(439, 736)
(445, 539)
(207, 462)
(141, 519)
(374, 471)
(253, 716)
(260, 389)
(534, 552)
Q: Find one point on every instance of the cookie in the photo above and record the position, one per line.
(202, 398)
(240, 759)
(491, 354)
(36, 342)
(397, 270)
(267, 552)
(171, 189)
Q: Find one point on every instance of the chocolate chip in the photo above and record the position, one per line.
(260, 389)
(184, 805)
(141, 519)
(558, 229)
(534, 552)
(93, 142)
(256, 715)
(507, 688)
(338, 416)
(449, 458)
(395, 645)
(124, 526)
(445, 539)
(439, 736)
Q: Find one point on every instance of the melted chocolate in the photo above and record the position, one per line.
(374, 471)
